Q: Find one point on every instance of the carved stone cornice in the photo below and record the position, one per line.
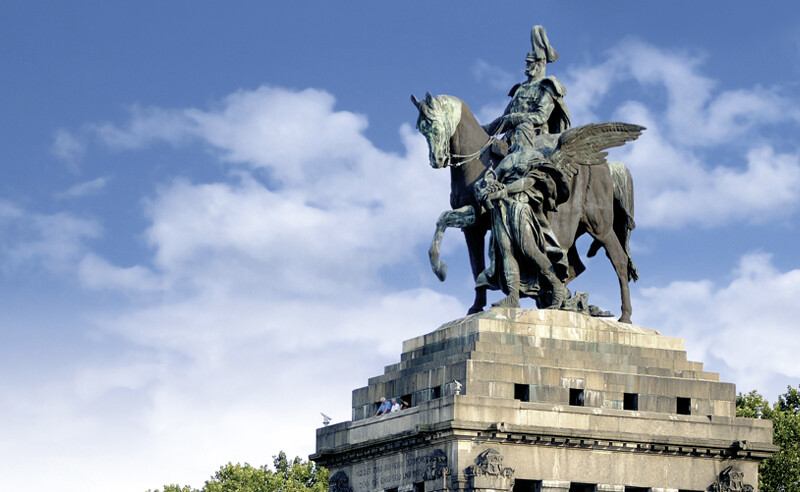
(501, 433)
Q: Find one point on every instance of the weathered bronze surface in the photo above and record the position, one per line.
(537, 189)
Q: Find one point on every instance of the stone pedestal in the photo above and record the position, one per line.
(545, 400)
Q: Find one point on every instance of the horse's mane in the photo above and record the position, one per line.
(444, 110)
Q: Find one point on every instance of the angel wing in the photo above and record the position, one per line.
(584, 145)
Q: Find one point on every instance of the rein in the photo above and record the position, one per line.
(464, 158)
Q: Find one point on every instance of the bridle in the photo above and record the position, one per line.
(463, 158)
(431, 106)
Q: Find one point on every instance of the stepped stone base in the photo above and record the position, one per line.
(540, 400)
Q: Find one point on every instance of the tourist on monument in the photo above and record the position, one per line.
(521, 191)
(395, 406)
(384, 408)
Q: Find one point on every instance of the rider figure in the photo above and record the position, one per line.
(520, 191)
(537, 105)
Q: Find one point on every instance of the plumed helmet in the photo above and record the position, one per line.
(540, 45)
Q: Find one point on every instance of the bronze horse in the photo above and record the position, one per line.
(600, 202)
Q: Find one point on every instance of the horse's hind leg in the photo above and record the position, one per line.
(475, 246)
(619, 259)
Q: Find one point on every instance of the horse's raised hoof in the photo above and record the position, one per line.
(440, 270)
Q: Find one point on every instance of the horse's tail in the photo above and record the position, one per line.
(623, 213)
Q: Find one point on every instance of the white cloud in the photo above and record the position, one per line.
(146, 126)
(343, 210)
(54, 241)
(769, 187)
(209, 381)
(694, 114)
(675, 188)
(85, 188)
(57, 238)
(586, 86)
(495, 76)
(677, 182)
(96, 273)
(284, 130)
(314, 245)
(9, 211)
(747, 325)
(252, 292)
(68, 147)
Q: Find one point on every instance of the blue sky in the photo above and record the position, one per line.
(215, 217)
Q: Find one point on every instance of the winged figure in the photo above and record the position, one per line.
(528, 185)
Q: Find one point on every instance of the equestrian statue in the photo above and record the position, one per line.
(537, 189)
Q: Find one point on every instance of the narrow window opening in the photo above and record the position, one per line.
(419, 486)
(576, 398)
(684, 406)
(637, 489)
(630, 402)
(521, 485)
(582, 487)
(405, 401)
(522, 392)
(436, 392)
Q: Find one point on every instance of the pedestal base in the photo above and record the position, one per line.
(545, 403)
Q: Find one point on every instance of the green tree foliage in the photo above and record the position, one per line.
(288, 476)
(781, 473)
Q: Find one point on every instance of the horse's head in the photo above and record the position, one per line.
(438, 119)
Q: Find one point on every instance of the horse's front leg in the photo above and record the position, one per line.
(460, 217)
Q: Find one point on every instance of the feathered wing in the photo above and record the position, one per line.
(585, 145)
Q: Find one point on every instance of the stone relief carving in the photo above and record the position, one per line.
(339, 482)
(731, 479)
(437, 466)
(490, 463)
(488, 472)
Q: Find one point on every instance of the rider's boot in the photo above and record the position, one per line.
(512, 299)
(560, 292)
